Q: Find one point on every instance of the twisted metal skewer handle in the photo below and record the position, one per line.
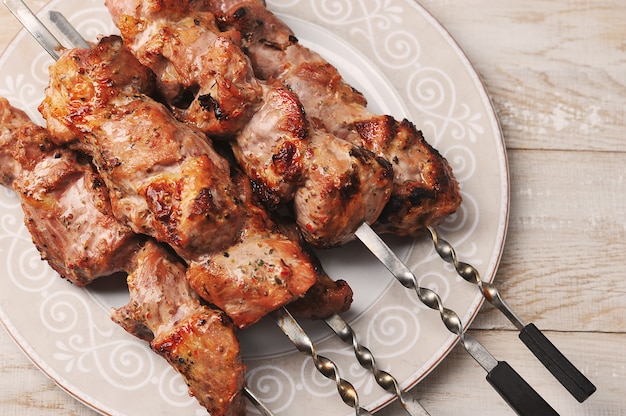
(406, 277)
(561, 368)
(470, 274)
(367, 361)
(519, 394)
(325, 366)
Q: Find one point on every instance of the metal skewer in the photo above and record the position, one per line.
(569, 376)
(284, 319)
(325, 366)
(257, 403)
(66, 28)
(47, 40)
(503, 378)
(34, 26)
(367, 361)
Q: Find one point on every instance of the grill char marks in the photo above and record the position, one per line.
(66, 207)
(425, 190)
(287, 152)
(168, 181)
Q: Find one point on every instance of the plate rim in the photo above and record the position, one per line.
(494, 123)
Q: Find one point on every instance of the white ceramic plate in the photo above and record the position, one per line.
(408, 66)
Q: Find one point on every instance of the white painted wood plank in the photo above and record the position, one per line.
(562, 266)
(556, 70)
(458, 385)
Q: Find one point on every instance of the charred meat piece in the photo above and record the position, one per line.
(199, 342)
(66, 206)
(332, 185)
(165, 179)
(324, 299)
(346, 185)
(425, 190)
(274, 150)
(260, 272)
(194, 50)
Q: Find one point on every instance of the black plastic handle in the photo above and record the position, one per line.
(517, 392)
(569, 376)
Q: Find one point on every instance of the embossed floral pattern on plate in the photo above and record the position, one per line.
(407, 66)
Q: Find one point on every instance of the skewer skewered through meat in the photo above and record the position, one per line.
(334, 185)
(68, 214)
(165, 180)
(197, 341)
(424, 191)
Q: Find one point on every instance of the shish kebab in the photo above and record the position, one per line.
(443, 311)
(334, 321)
(62, 197)
(342, 327)
(335, 186)
(275, 53)
(68, 214)
(175, 38)
(248, 279)
(424, 190)
(286, 150)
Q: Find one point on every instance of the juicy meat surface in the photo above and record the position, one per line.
(11, 120)
(424, 191)
(333, 186)
(273, 152)
(194, 50)
(66, 206)
(261, 272)
(68, 213)
(346, 185)
(165, 179)
(199, 342)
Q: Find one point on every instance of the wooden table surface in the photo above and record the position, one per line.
(556, 71)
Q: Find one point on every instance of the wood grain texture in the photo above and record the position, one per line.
(556, 72)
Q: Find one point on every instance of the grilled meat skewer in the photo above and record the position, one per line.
(199, 342)
(165, 180)
(163, 308)
(334, 185)
(68, 213)
(424, 190)
(66, 206)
